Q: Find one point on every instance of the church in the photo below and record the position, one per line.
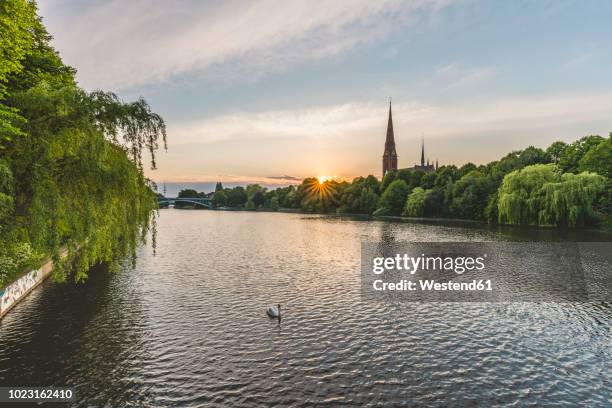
(390, 154)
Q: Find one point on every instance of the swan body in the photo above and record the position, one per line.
(274, 311)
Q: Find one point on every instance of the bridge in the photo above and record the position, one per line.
(178, 202)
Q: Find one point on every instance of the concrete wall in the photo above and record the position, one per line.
(19, 289)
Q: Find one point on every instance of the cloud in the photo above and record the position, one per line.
(349, 120)
(457, 75)
(117, 44)
(347, 140)
(285, 178)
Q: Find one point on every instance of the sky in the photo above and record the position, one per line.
(274, 91)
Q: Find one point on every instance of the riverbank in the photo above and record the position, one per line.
(22, 286)
(604, 227)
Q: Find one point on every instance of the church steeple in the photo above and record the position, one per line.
(390, 140)
(390, 155)
(423, 151)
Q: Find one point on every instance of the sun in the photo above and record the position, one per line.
(323, 179)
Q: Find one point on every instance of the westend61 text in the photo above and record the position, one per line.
(432, 285)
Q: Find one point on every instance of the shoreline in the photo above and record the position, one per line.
(601, 229)
(19, 289)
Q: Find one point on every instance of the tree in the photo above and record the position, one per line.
(66, 156)
(569, 162)
(393, 199)
(258, 199)
(466, 168)
(446, 174)
(274, 203)
(415, 204)
(188, 193)
(533, 155)
(251, 189)
(17, 21)
(411, 177)
(434, 203)
(569, 202)
(219, 199)
(6, 196)
(541, 195)
(556, 150)
(387, 180)
(236, 197)
(470, 194)
(360, 197)
(518, 201)
(218, 186)
(598, 159)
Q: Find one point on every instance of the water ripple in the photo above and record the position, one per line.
(187, 327)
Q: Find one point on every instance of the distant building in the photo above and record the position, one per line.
(390, 155)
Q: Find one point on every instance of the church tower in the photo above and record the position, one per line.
(423, 152)
(390, 155)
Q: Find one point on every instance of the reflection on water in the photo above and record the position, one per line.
(188, 327)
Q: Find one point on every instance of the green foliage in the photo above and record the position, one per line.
(434, 203)
(471, 192)
(219, 199)
(188, 193)
(387, 179)
(258, 198)
(470, 195)
(393, 200)
(15, 259)
(569, 162)
(236, 197)
(274, 206)
(598, 158)
(6, 195)
(360, 197)
(17, 20)
(73, 177)
(556, 150)
(415, 204)
(569, 202)
(541, 195)
(518, 203)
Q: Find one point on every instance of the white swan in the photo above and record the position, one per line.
(274, 311)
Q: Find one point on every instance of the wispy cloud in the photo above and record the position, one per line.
(347, 139)
(118, 44)
(350, 119)
(457, 75)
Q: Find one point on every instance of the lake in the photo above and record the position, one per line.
(187, 327)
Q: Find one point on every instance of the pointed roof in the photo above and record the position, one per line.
(423, 151)
(390, 140)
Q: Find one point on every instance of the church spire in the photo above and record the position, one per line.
(423, 151)
(390, 155)
(390, 140)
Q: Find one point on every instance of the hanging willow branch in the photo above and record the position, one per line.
(133, 126)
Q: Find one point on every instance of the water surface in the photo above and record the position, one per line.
(187, 327)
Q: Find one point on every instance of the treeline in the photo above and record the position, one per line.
(71, 171)
(564, 185)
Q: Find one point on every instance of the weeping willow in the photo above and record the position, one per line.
(71, 176)
(415, 204)
(541, 195)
